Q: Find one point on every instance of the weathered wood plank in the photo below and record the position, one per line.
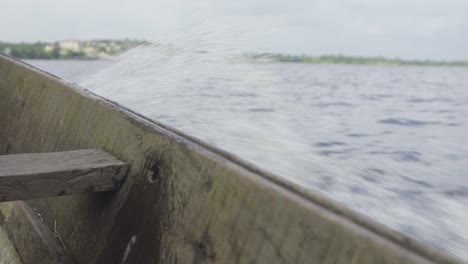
(38, 175)
(24, 228)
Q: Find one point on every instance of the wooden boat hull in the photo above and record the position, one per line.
(183, 201)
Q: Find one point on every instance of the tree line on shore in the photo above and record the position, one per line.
(342, 59)
(70, 49)
(33, 51)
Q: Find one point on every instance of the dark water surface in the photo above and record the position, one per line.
(390, 142)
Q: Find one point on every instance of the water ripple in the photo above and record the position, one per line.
(330, 144)
(428, 100)
(407, 122)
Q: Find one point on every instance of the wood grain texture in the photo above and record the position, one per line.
(38, 175)
(8, 252)
(33, 240)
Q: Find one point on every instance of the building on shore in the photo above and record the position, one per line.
(69, 45)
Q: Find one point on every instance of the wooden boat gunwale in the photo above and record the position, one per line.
(283, 187)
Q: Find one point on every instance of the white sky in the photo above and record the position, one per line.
(436, 29)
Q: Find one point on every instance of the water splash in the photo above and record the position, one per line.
(314, 128)
(200, 81)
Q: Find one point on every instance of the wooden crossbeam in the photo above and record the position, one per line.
(38, 175)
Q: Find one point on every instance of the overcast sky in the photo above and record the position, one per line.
(436, 29)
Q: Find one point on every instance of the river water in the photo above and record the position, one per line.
(388, 141)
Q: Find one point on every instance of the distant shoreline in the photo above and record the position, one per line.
(273, 60)
(352, 60)
(109, 49)
(68, 59)
(69, 49)
(336, 61)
